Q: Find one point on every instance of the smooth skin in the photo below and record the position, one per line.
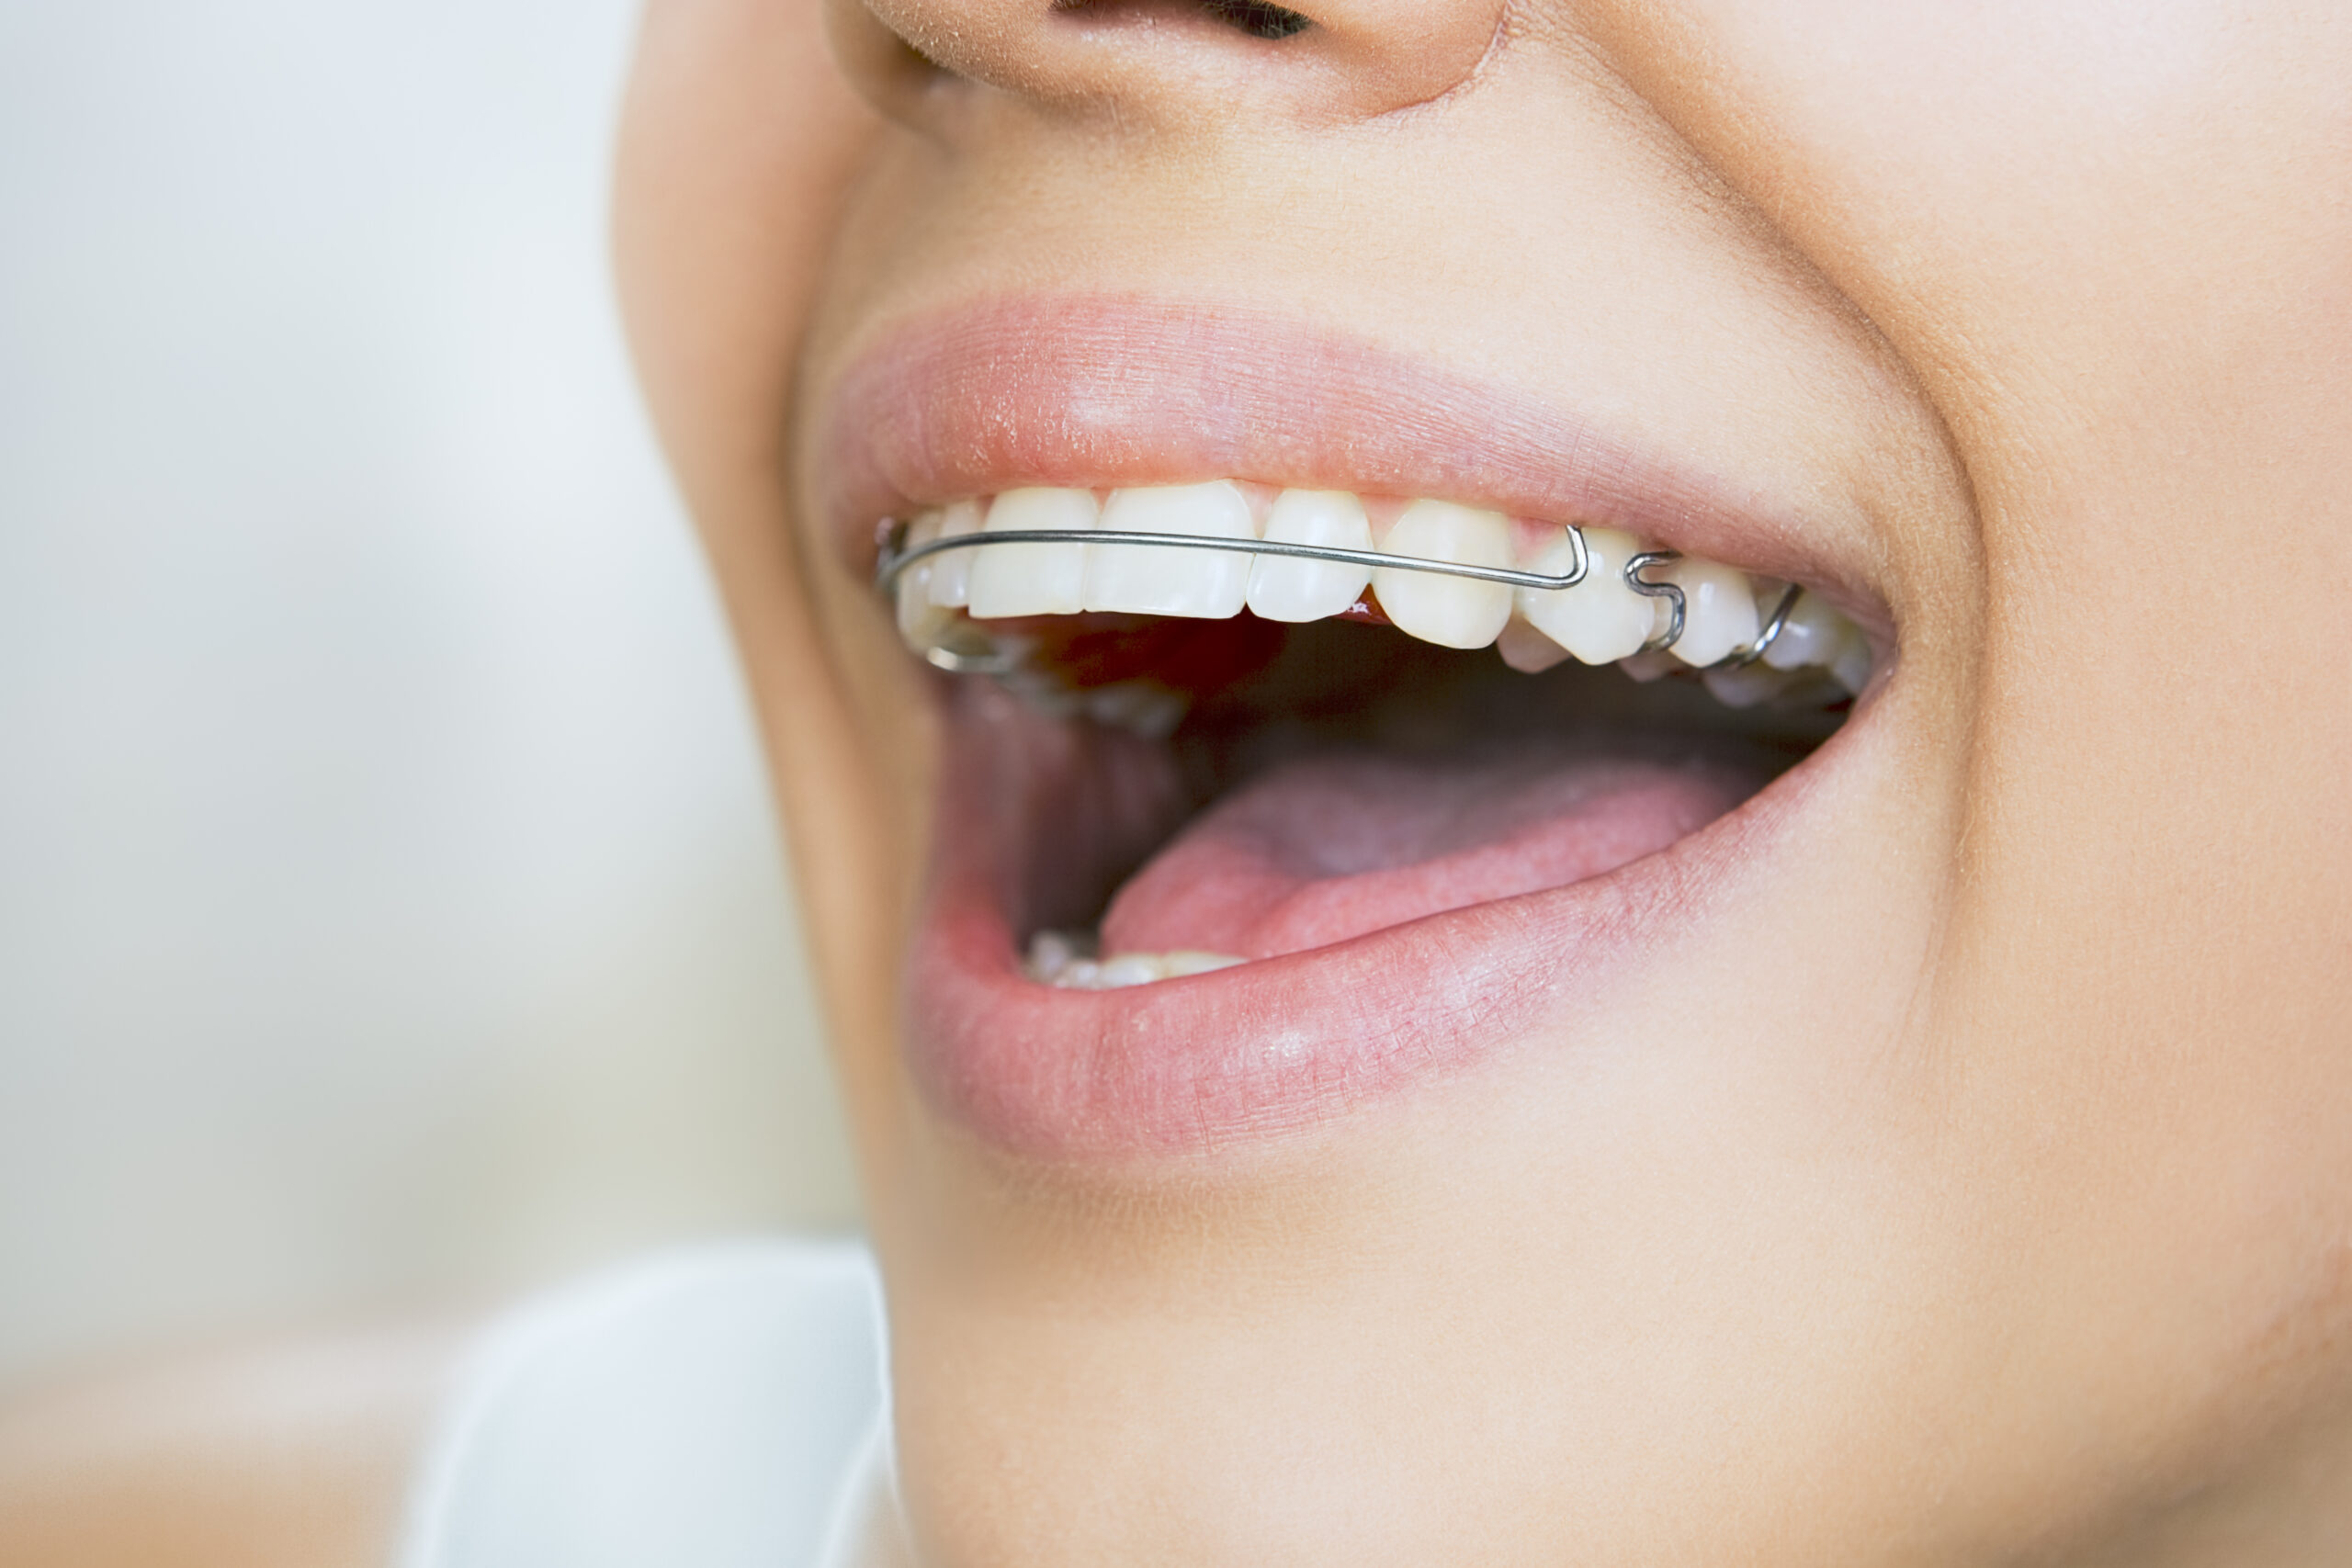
(1983, 1194)
(1979, 1197)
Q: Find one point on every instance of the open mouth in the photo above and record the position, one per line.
(1315, 747)
(1231, 839)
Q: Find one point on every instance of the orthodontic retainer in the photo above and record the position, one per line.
(895, 557)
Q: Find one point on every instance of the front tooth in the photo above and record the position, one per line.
(1811, 635)
(1600, 620)
(1033, 579)
(1718, 610)
(1452, 612)
(1287, 589)
(951, 576)
(1146, 579)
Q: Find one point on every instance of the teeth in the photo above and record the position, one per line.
(1747, 685)
(1060, 959)
(1718, 610)
(921, 618)
(1140, 707)
(1647, 667)
(1526, 650)
(1810, 636)
(1160, 581)
(1283, 590)
(951, 576)
(1033, 579)
(1851, 667)
(1187, 961)
(1452, 612)
(1051, 952)
(1128, 969)
(1600, 620)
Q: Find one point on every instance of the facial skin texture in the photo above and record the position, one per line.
(1981, 1190)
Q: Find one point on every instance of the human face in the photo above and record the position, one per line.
(1940, 1152)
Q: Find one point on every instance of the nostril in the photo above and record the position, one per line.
(1164, 62)
(1255, 18)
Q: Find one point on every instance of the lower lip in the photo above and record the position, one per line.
(1279, 1046)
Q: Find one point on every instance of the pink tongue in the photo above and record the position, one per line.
(1318, 852)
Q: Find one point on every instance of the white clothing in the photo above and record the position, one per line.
(723, 1407)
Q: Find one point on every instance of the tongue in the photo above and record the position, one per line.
(1319, 850)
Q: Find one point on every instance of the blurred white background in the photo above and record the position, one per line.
(388, 912)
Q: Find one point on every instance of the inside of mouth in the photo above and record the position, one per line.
(1206, 755)
(1327, 780)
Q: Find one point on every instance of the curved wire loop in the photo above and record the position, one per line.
(1669, 591)
(1741, 657)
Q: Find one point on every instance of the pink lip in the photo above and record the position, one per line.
(1097, 390)
(1220, 1060)
(1094, 389)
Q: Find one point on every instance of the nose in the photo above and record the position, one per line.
(1194, 63)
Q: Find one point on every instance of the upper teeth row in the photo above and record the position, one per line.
(1621, 608)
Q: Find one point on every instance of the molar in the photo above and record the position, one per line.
(1600, 620)
(1811, 635)
(1146, 579)
(1745, 685)
(1452, 612)
(1718, 610)
(1283, 589)
(1850, 666)
(1033, 579)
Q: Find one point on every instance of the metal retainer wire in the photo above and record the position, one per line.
(894, 560)
(896, 556)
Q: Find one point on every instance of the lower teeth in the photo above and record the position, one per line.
(1065, 961)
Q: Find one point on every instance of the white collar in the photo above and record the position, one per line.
(869, 1527)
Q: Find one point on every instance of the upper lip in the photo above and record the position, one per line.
(1095, 390)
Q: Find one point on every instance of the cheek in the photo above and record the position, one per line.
(2096, 232)
(2107, 238)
